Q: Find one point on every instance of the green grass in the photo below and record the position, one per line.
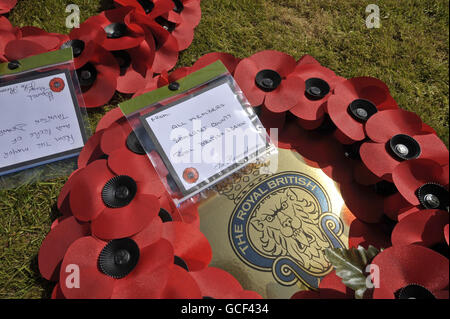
(409, 53)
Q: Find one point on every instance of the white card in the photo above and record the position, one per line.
(201, 138)
(40, 122)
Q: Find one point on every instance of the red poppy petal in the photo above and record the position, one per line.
(363, 202)
(382, 126)
(191, 14)
(280, 62)
(217, 283)
(286, 95)
(332, 281)
(394, 204)
(432, 147)
(184, 34)
(166, 55)
(88, 31)
(227, 59)
(84, 253)
(272, 120)
(7, 5)
(343, 138)
(189, 244)
(446, 233)
(114, 138)
(412, 264)
(362, 175)
(245, 75)
(307, 59)
(63, 198)
(150, 234)
(378, 160)
(130, 82)
(20, 49)
(138, 167)
(56, 243)
(363, 234)
(288, 136)
(150, 276)
(102, 90)
(410, 175)
(423, 227)
(337, 109)
(85, 197)
(428, 129)
(109, 118)
(310, 125)
(126, 221)
(91, 150)
(181, 285)
(57, 293)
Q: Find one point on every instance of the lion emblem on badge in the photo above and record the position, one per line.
(287, 224)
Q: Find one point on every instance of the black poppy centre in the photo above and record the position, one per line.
(116, 30)
(76, 45)
(316, 89)
(433, 196)
(361, 110)
(87, 75)
(119, 191)
(119, 257)
(404, 147)
(268, 80)
(414, 291)
(134, 145)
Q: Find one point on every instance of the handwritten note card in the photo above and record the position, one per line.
(202, 137)
(39, 122)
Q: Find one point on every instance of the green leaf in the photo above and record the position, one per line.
(350, 265)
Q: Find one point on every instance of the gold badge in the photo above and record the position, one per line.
(270, 230)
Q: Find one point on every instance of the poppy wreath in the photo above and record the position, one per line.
(116, 50)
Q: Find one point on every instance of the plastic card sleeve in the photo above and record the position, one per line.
(198, 131)
(43, 122)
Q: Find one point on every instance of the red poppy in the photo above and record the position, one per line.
(151, 9)
(423, 182)
(98, 77)
(166, 55)
(227, 59)
(330, 287)
(423, 227)
(7, 33)
(354, 101)
(365, 235)
(268, 78)
(163, 79)
(186, 12)
(121, 32)
(411, 271)
(181, 21)
(80, 42)
(397, 136)
(57, 84)
(7, 5)
(113, 116)
(32, 41)
(116, 205)
(216, 283)
(319, 85)
(119, 268)
(91, 150)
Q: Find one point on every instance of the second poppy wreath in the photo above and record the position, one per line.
(390, 167)
(117, 50)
